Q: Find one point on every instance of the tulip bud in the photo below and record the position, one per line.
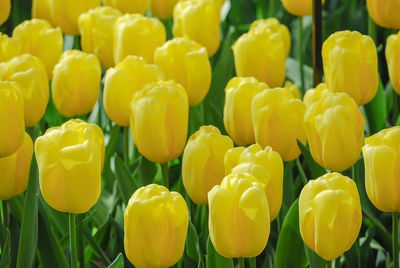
(278, 121)
(5, 8)
(70, 160)
(97, 27)
(137, 35)
(239, 93)
(76, 83)
(12, 127)
(203, 162)
(41, 9)
(328, 206)
(298, 7)
(128, 6)
(351, 65)
(186, 62)
(38, 38)
(293, 89)
(155, 225)
(15, 170)
(159, 120)
(163, 9)
(9, 48)
(333, 122)
(239, 221)
(266, 166)
(261, 53)
(385, 12)
(187, 17)
(381, 158)
(122, 82)
(392, 54)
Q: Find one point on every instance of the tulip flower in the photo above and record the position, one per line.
(293, 89)
(186, 62)
(159, 120)
(278, 122)
(137, 35)
(239, 221)
(384, 12)
(163, 9)
(70, 160)
(328, 206)
(351, 65)
(38, 38)
(203, 162)
(298, 7)
(265, 165)
(15, 170)
(392, 54)
(128, 6)
(29, 72)
(333, 122)
(155, 227)
(122, 82)
(12, 127)
(9, 48)
(239, 93)
(5, 8)
(198, 20)
(76, 83)
(41, 9)
(97, 27)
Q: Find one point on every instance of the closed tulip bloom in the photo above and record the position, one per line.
(159, 120)
(203, 162)
(266, 166)
(5, 8)
(186, 62)
(137, 35)
(76, 83)
(351, 65)
(298, 7)
(239, 220)
(261, 53)
(9, 47)
(381, 157)
(392, 53)
(29, 72)
(122, 82)
(38, 38)
(15, 170)
(70, 159)
(128, 6)
(163, 9)
(293, 89)
(65, 14)
(12, 127)
(41, 9)
(97, 27)
(333, 122)
(198, 20)
(278, 122)
(155, 225)
(239, 93)
(328, 206)
(385, 12)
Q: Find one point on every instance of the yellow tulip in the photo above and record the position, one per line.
(329, 206)
(265, 165)
(239, 93)
(38, 38)
(351, 65)
(198, 20)
(203, 162)
(97, 27)
(29, 72)
(137, 35)
(76, 83)
(335, 128)
(12, 127)
(392, 54)
(381, 157)
(278, 122)
(186, 62)
(65, 14)
(385, 12)
(15, 170)
(122, 82)
(159, 120)
(293, 89)
(239, 221)
(9, 47)
(5, 8)
(155, 225)
(163, 9)
(41, 9)
(128, 6)
(70, 160)
(298, 7)
(261, 53)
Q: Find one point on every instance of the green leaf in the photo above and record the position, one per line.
(213, 259)
(147, 171)
(376, 111)
(125, 182)
(196, 118)
(118, 262)
(192, 244)
(314, 260)
(293, 73)
(352, 256)
(5, 260)
(316, 170)
(95, 246)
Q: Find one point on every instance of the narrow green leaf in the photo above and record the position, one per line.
(5, 260)
(95, 246)
(293, 74)
(213, 259)
(352, 256)
(314, 260)
(125, 182)
(376, 112)
(147, 170)
(118, 262)
(192, 244)
(316, 170)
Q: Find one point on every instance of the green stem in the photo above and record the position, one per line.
(329, 264)
(272, 8)
(301, 56)
(79, 233)
(301, 171)
(372, 29)
(395, 241)
(164, 172)
(126, 145)
(72, 240)
(5, 214)
(241, 262)
(317, 41)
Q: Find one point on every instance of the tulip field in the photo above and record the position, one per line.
(199, 133)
